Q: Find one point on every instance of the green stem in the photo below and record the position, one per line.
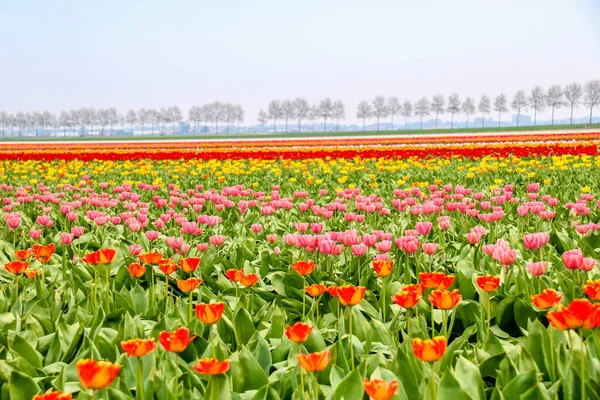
(432, 381)
(107, 284)
(190, 311)
(166, 293)
(408, 317)
(94, 289)
(212, 342)
(317, 386)
(350, 337)
(304, 298)
(300, 369)
(552, 362)
(383, 297)
(583, 377)
(152, 285)
(432, 322)
(140, 380)
(176, 374)
(406, 272)
(489, 312)
(445, 324)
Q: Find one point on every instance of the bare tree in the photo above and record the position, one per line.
(484, 108)
(75, 119)
(103, 118)
(393, 107)
(468, 107)
(275, 112)
(554, 99)
(364, 111)
(206, 112)
(326, 110)
(163, 119)
(500, 106)
(407, 109)
(194, 115)
(519, 103)
(338, 112)
(379, 108)
(314, 114)
(263, 117)
(175, 116)
(153, 116)
(36, 120)
(422, 109)
(65, 121)
(453, 107)
(591, 95)
(437, 106)
(573, 92)
(4, 120)
(288, 111)
(229, 115)
(55, 124)
(302, 110)
(142, 117)
(113, 118)
(131, 118)
(239, 115)
(537, 101)
(217, 110)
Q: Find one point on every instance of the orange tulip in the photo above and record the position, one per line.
(176, 341)
(430, 349)
(106, 256)
(212, 366)
(436, 280)
(234, 275)
(417, 288)
(298, 332)
(593, 321)
(43, 253)
(304, 267)
(23, 254)
(445, 300)
(249, 279)
(136, 270)
(53, 396)
(138, 347)
(33, 273)
(314, 361)
(383, 268)
(488, 283)
(96, 374)
(574, 316)
(316, 289)
(16, 267)
(332, 290)
(167, 266)
(547, 299)
(189, 264)
(210, 313)
(406, 299)
(378, 389)
(351, 295)
(189, 285)
(592, 289)
(151, 257)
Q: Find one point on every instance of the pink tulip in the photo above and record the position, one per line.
(474, 237)
(572, 259)
(277, 251)
(369, 240)
(77, 231)
(256, 228)
(152, 235)
(316, 228)
(429, 248)
(217, 240)
(537, 268)
(174, 243)
(409, 244)
(423, 228)
(384, 246)
(135, 249)
(505, 256)
(587, 264)
(272, 238)
(325, 246)
(301, 227)
(35, 233)
(533, 241)
(66, 238)
(359, 250)
(202, 246)
(384, 257)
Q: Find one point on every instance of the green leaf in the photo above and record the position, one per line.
(350, 388)
(218, 388)
(254, 375)
(22, 387)
(520, 384)
(469, 378)
(449, 388)
(139, 300)
(21, 347)
(266, 393)
(243, 327)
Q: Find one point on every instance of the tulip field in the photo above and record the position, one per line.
(352, 268)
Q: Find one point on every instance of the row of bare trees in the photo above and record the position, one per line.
(572, 95)
(300, 110)
(83, 121)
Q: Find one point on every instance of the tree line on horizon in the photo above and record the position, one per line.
(298, 110)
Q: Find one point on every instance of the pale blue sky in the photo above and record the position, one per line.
(129, 54)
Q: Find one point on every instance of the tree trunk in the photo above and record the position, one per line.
(572, 105)
(378, 123)
(405, 123)
(421, 122)
(534, 116)
(591, 113)
(467, 121)
(451, 120)
(363, 124)
(392, 122)
(325, 127)
(518, 115)
(498, 119)
(274, 129)
(553, 115)
(482, 120)
(436, 120)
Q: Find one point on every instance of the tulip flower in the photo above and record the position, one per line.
(488, 283)
(574, 316)
(23, 254)
(211, 366)
(547, 299)
(537, 268)
(349, 295)
(378, 389)
(189, 285)
(445, 300)
(177, 340)
(315, 290)
(16, 267)
(249, 279)
(314, 362)
(33, 273)
(406, 298)
(96, 375)
(136, 270)
(151, 257)
(234, 275)
(210, 313)
(189, 264)
(43, 253)
(592, 290)
(430, 350)
(572, 259)
(138, 347)
(53, 396)
(299, 332)
(383, 268)
(304, 267)
(436, 280)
